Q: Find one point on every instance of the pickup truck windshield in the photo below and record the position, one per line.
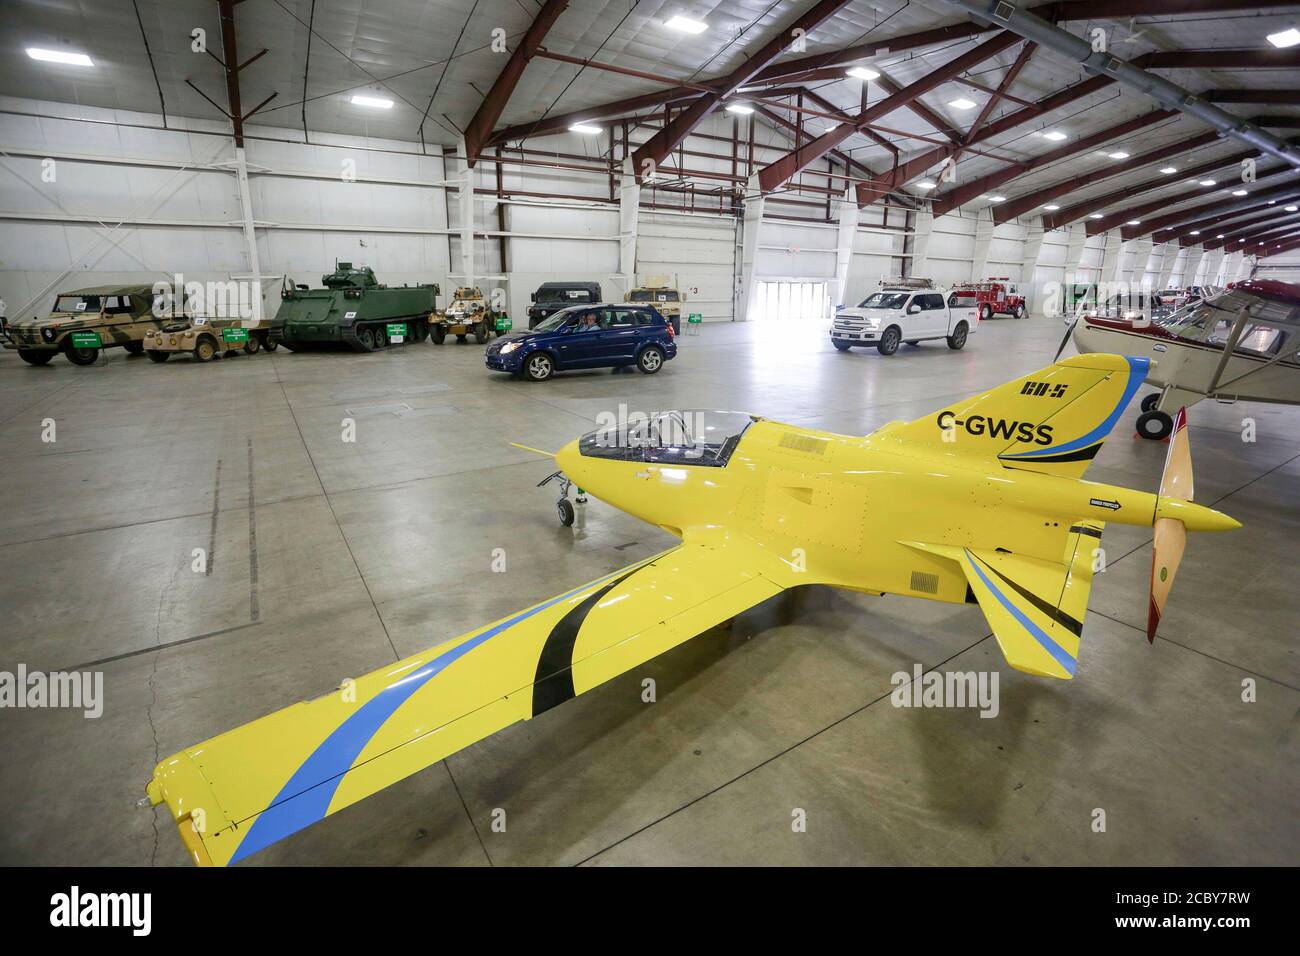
(884, 300)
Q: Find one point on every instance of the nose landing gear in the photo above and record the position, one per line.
(563, 506)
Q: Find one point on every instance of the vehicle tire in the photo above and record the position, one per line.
(253, 345)
(81, 356)
(841, 346)
(650, 360)
(565, 507)
(1149, 403)
(482, 333)
(1019, 313)
(889, 341)
(134, 348)
(986, 312)
(366, 337)
(1154, 425)
(35, 356)
(156, 356)
(205, 349)
(539, 367)
(421, 331)
(957, 340)
(439, 334)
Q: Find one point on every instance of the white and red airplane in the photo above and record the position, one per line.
(1242, 344)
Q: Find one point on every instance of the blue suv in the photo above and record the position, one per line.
(587, 336)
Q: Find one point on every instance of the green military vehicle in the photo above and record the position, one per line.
(353, 310)
(85, 322)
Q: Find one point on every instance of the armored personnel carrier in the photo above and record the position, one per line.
(353, 311)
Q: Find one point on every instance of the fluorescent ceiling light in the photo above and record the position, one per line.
(1286, 38)
(862, 73)
(1096, 215)
(1051, 207)
(740, 108)
(378, 102)
(686, 25)
(925, 184)
(58, 56)
(1196, 232)
(997, 199)
(1219, 236)
(1168, 170)
(1207, 182)
(1135, 222)
(1239, 192)
(1118, 155)
(584, 128)
(1241, 240)
(1054, 135)
(1290, 208)
(961, 103)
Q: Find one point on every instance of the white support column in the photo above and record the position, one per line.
(1245, 269)
(1112, 257)
(1227, 268)
(1074, 247)
(1029, 265)
(629, 210)
(753, 222)
(984, 229)
(923, 221)
(465, 210)
(1209, 266)
(250, 236)
(848, 228)
(1155, 264)
(1174, 263)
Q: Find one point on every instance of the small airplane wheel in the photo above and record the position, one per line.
(565, 507)
(1154, 425)
(1149, 403)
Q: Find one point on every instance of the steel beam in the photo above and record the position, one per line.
(927, 115)
(783, 168)
(1024, 204)
(652, 152)
(1156, 206)
(1267, 230)
(479, 130)
(1220, 223)
(1287, 189)
(964, 194)
(1008, 78)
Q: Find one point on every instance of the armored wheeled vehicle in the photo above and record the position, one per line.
(207, 338)
(85, 322)
(467, 314)
(660, 292)
(353, 311)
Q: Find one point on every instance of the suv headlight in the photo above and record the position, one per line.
(47, 334)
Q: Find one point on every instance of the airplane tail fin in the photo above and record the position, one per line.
(1052, 421)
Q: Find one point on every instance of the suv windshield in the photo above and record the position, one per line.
(884, 300)
(564, 295)
(92, 303)
(653, 295)
(691, 437)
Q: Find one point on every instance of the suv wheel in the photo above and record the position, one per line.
(82, 356)
(35, 356)
(539, 367)
(958, 338)
(650, 360)
(889, 341)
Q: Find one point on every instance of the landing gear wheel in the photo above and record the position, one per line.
(205, 349)
(539, 367)
(134, 348)
(481, 333)
(889, 341)
(35, 356)
(252, 346)
(841, 346)
(439, 334)
(82, 356)
(565, 508)
(957, 340)
(1150, 402)
(650, 360)
(367, 339)
(1154, 425)
(156, 356)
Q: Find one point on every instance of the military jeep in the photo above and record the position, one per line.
(206, 338)
(85, 322)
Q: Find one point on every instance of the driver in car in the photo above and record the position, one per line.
(589, 323)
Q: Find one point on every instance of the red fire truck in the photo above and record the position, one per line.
(999, 295)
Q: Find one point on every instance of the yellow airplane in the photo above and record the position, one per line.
(982, 502)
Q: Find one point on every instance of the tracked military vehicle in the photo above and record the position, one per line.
(353, 311)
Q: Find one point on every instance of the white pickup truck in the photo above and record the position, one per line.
(890, 317)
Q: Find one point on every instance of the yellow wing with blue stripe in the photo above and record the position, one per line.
(238, 793)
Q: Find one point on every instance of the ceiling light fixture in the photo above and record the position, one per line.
(997, 199)
(1054, 135)
(862, 73)
(925, 184)
(685, 25)
(961, 103)
(1096, 215)
(1051, 207)
(740, 108)
(584, 128)
(1290, 208)
(1219, 236)
(1118, 155)
(1239, 192)
(1285, 38)
(1207, 182)
(1135, 222)
(1167, 170)
(377, 102)
(59, 56)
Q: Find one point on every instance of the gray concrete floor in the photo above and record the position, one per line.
(328, 560)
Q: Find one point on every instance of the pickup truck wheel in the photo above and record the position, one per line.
(156, 356)
(958, 338)
(889, 341)
(35, 356)
(842, 346)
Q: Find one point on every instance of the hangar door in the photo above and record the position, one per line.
(699, 250)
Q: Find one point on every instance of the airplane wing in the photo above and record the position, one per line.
(1034, 607)
(238, 793)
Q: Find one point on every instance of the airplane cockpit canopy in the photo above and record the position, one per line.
(1272, 318)
(682, 437)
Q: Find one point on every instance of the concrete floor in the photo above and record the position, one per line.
(328, 560)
